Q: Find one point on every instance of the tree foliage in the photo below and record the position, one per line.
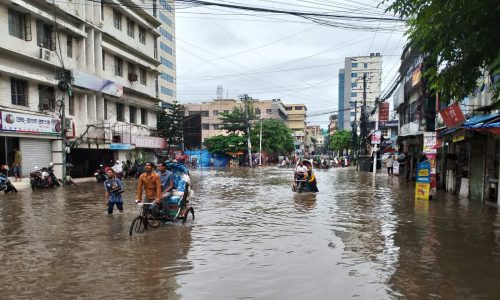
(229, 143)
(170, 124)
(461, 38)
(235, 122)
(276, 136)
(341, 140)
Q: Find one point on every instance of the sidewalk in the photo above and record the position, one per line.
(24, 184)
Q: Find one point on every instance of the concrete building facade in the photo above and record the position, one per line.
(297, 123)
(354, 70)
(107, 52)
(210, 112)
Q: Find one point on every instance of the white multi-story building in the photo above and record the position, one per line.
(355, 69)
(108, 51)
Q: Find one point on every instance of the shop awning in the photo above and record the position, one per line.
(489, 123)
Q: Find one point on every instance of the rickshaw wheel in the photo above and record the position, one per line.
(187, 216)
(138, 225)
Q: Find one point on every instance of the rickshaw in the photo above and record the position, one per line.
(177, 206)
(302, 184)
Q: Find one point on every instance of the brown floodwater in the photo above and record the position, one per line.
(253, 238)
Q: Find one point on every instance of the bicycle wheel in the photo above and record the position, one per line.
(138, 225)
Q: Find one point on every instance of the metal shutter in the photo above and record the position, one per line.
(477, 161)
(36, 152)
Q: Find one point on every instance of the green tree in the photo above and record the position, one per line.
(229, 143)
(235, 122)
(341, 140)
(460, 38)
(170, 124)
(276, 136)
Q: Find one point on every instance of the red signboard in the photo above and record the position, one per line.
(383, 113)
(452, 115)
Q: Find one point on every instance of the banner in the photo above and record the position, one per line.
(149, 142)
(452, 115)
(422, 187)
(97, 84)
(383, 113)
(376, 137)
(430, 142)
(23, 123)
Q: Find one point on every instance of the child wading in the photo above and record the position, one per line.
(113, 192)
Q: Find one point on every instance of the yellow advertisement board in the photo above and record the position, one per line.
(422, 191)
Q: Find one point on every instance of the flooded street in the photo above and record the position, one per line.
(253, 238)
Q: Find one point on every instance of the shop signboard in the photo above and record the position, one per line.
(459, 136)
(118, 146)
(24, 123)
(452, 115)
(376, 137)
(430, 142)
(97, 84)
(149, 142)
(423, 182)
(383, 114)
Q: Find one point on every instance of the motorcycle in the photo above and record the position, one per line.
(44, 178)
(100, 175)
(5, 185)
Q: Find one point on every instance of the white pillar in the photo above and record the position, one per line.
(57, 157)
(89, 50)
(98, 53)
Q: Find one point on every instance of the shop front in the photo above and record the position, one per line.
(33, 135)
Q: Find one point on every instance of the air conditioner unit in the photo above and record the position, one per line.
(45, 54)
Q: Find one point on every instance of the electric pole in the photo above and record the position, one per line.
(63, 86)
(247, 123)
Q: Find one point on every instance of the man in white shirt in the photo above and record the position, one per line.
(300, 170)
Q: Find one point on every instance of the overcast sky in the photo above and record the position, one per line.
(270, 56)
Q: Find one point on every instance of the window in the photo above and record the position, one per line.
(165, 19)
(143, 76)
(105, 109)
(354, 65)
(215, 113)
(120, 112)
(167, 63)
(167, 91)
(118, 66)
(298, 107)
(353, 94)
(69, 46)
(204, 113)
(144, 116)
(117, 19)
(354, 75)
(45, 35)
(166, 48)
(288, 108)
(205, 126)
(257, 111)
(216, 126)
(226, 111)
(269, 111)
(46, 96)
(366, 65)
(103, 60)
(167, 77)
(130, 28)
(19, 91)
(71, 105)
(132, 114)
(166, 34)
(19, 25)
(142, 35)
(354, 84)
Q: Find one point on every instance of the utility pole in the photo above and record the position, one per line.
(375, 148)
(64, 87)
(260, 145)
(247, 123)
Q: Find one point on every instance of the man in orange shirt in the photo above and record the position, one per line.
(150, 182)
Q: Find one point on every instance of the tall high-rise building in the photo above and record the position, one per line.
(357, 68)
(166, 54)
(343, 117)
